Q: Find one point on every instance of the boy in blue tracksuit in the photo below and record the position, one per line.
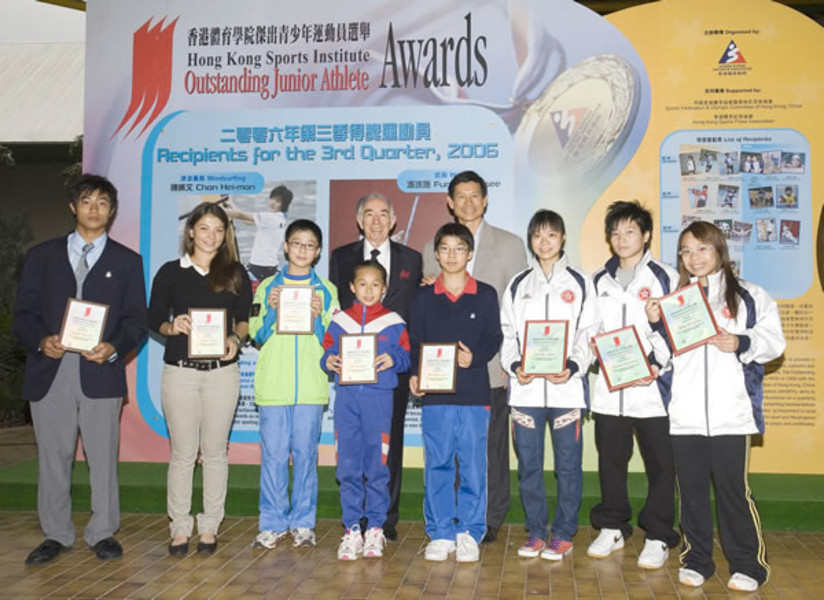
(363, 413)
(456, 309)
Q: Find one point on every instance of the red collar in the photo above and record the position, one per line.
(372, 312)
(471, 287)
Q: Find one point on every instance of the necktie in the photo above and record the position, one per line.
(82, 268)
(375, 254)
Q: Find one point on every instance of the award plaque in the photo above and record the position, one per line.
(207, 338)
(687, 318)
(544, 347)
(438, 368)
(295, 309)
(83, 324)
(622, 358)
(357, 359)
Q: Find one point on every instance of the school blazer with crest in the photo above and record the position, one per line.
(48, 281)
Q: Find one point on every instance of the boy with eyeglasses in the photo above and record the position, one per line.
(456, 309)
(291, 390)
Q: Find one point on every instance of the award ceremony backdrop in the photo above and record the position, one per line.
(701, 110)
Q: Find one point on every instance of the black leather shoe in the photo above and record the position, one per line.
(207, 548)
(490, 536)
(179, 549)
(389, 532)
(46, 552)
(108, 549)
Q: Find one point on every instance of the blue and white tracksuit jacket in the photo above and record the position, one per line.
(363, 413)
(720, 393)
(618, 308)
(566, 294)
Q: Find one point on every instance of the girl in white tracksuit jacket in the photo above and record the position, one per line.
(551, 290)
(716, 405)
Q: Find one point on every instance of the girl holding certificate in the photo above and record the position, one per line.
(199, 395)
(556, 295)
(716, 406)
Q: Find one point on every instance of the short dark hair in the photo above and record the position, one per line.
(455, 230)
(544, 219)
(622, 210)
(304, 225)
(368, 264)
(86, 184)
(285, 195)
(466, 177)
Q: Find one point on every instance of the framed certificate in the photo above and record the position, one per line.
(357, 359)
(83, 324)
(687, 318)
(438, 368)
(622, 358)
(544, 347)
(295, 309)
(207, 339)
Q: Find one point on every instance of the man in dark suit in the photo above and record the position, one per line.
(71, 391)
(376, 219)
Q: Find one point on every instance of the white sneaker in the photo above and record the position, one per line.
(607, 542)
(742, 583)
(439, 549)
(268, 539)
(690, 577)
(303, 536)
(466, 548)
(374, 543)
(654, 555)
(351, 544)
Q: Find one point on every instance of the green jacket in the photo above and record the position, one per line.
(288, 367)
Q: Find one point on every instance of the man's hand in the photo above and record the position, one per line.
(100, 353)
(428, 279)
(51, 347)
(413, 386)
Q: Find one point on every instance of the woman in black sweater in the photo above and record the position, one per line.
(199, 396)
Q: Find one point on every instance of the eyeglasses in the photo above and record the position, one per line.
(703, 250)
(301, 246)
(457, 250)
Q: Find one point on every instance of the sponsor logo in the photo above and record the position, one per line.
(732, 55)
(151, 75)
(566, 121)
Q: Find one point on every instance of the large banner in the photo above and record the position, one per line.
(190, 101)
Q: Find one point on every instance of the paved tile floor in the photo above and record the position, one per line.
(238, 571)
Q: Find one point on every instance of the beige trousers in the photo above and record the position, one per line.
(199, 407)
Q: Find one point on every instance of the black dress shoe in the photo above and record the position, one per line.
(108, 549)
(179, 549)
(46, 552)
(389, 532)
(490, 536)
(207, 548)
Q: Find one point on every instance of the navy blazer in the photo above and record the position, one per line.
(404, 278)
(48, 281)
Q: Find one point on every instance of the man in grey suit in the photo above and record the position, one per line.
(498, 257)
